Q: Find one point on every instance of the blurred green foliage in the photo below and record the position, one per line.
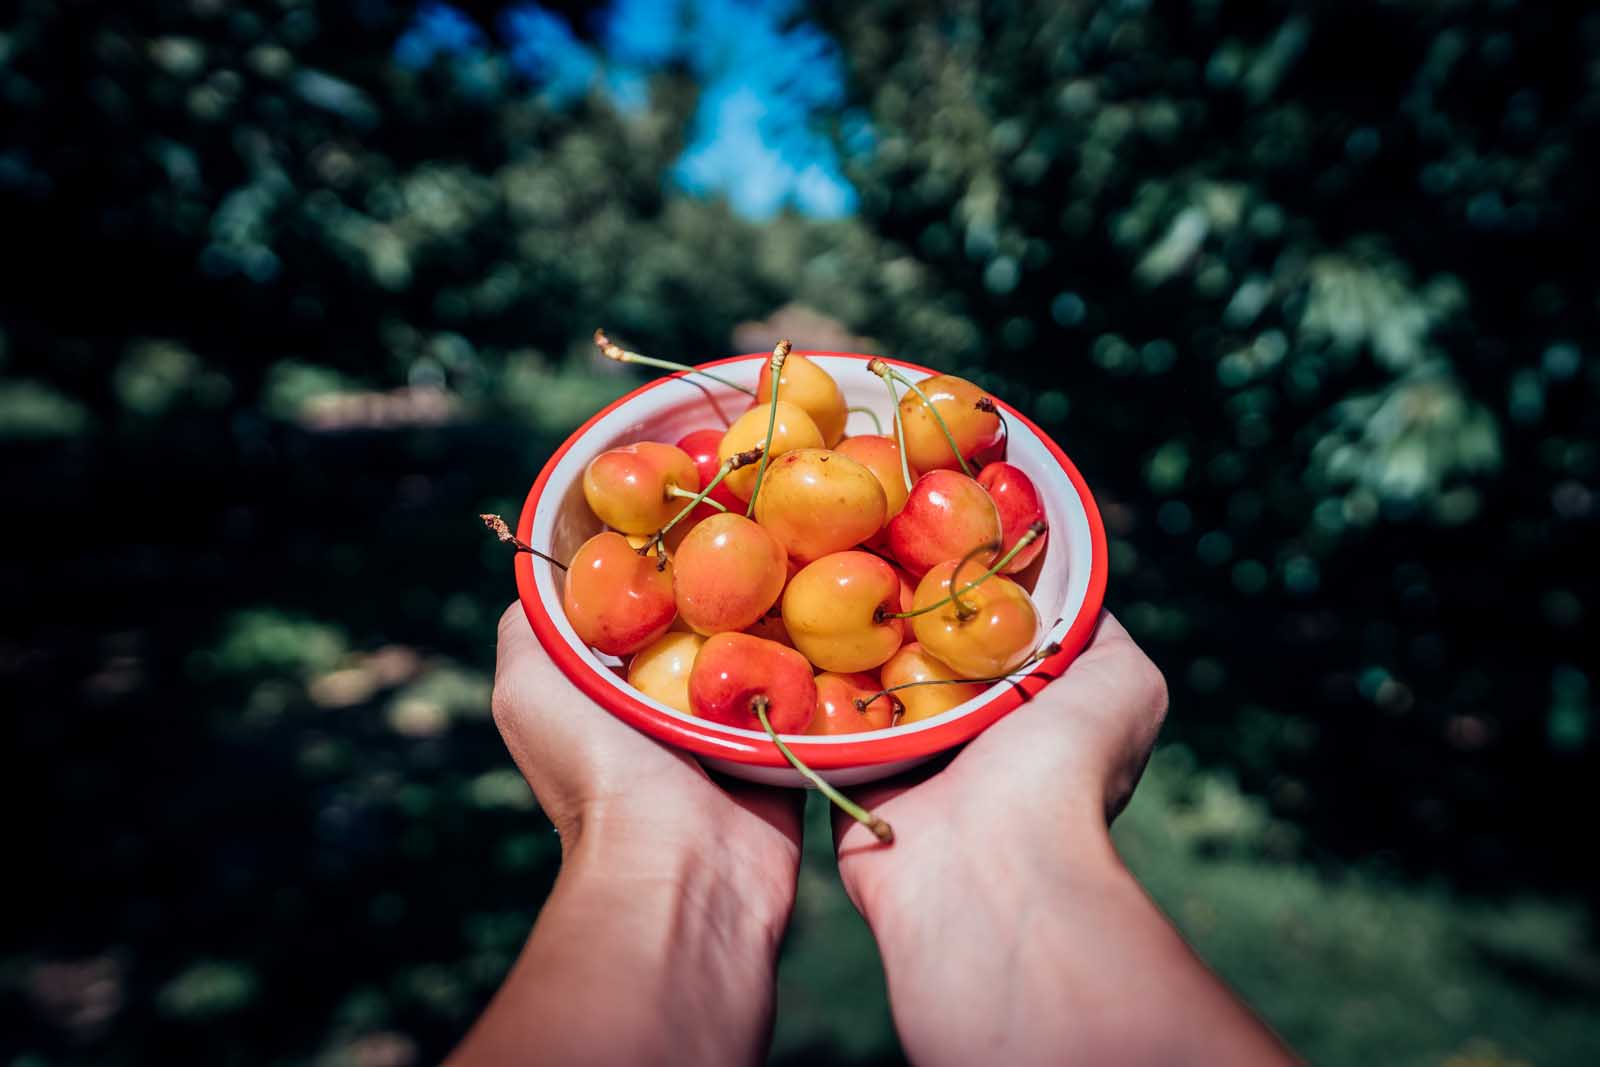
(1306, 290)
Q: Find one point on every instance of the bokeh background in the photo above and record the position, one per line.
(293, 290)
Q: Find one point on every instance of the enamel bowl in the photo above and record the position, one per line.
(1069, 580)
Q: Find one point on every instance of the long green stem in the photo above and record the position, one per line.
(1040, 654)
(934, 411)
(873, 415)
(621, 355)
(498, 527)
(729, 465)
(883, 830)
(881, 369)
(780, 352)
(1029, 536)
(681, 493)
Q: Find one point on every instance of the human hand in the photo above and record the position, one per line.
(653, 806)
(672, 898)
(1041, 782)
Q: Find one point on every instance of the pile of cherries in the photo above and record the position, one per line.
(779, 575)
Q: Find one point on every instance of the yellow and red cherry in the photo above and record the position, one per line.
(649, 544)
(661, 668)
(995, 453)
(701, 446)
(770, 627)
(637, 488)
(815, 502)
(835, 611)
(727, 572)
(881, 456)
(987, 629)
(810, 388)
(837, 712)
(617, 600)
(973, 426)
(792, 428)
(732, 670)
(931, 687)
(908, 596)
(946, 516)
(1019, 505)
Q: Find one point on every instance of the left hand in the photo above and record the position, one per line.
(595, 775)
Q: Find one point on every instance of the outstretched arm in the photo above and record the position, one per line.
(1010, 930)
(659, 941)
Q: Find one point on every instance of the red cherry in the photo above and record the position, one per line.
(701, 445)
(733, 669)
(946, 516)
(836, 708)
(1017, 500)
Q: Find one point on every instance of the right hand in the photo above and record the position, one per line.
(1041, 782)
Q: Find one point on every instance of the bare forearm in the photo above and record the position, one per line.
(665, 962)
(1056, 962)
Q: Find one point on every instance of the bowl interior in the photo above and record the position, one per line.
(671, 407)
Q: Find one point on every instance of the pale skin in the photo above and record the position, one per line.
(1009, 929)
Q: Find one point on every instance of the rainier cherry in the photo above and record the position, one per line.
(770, 626)
(816, 502)
(836, 708)
(974, 428)
(988, 628)
(792, 428)
(944, 690)
(637, 488)
(881, 456)
(744, 681)
(661, 668)
(1018, 503)
(945, 517)
(727, 572)
(835, 610)
(733, 670)
(810, 388)
(617, 600)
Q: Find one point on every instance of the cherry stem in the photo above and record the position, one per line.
(873, 415)
(683, 494)
(948, 436)
(729, 465)
(881, 829)
(780, 352)
(963, 609)
(498, 527)
(881, 369)
(1040, 654)
(621, 355)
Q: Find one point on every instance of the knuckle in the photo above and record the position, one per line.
(503, 705)
(511, 618)
(1152, 688)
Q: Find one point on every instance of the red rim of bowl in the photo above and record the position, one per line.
(704, 739)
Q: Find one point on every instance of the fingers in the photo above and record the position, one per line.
(1112, 668)
(519, 663)
(518, 649)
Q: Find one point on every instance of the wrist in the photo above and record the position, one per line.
(705, 871)
(981, 878)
